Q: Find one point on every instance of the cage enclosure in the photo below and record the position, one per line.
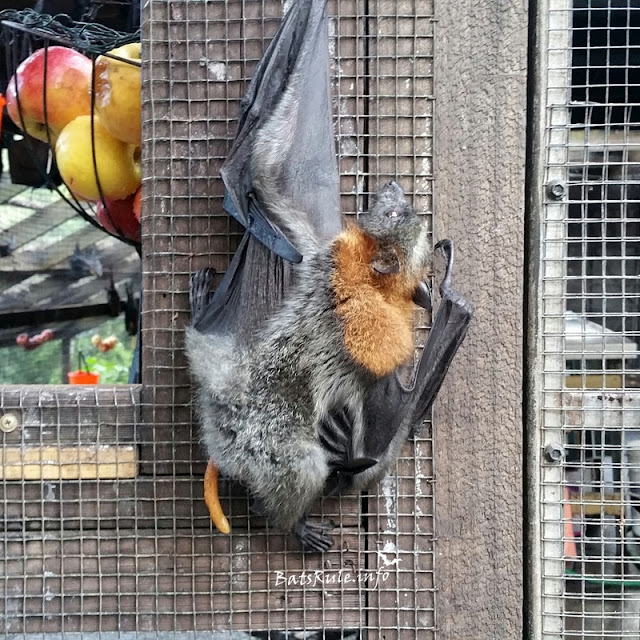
(589, 309)
(434, 551)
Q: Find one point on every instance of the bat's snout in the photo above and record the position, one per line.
(393, 187)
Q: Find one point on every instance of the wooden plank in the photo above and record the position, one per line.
(44, 289)
(179, 580)
(100, 415)
(24, 260)
(68, 463)
(480, 126)
(163, 503)
(401, 549)
(110, 504)
(115, 403)
(347, 24)
(8, 190)
(42, 221)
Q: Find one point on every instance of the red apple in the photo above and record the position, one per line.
(22, 339)
(117, 216)
(137, 204)
(68, 91)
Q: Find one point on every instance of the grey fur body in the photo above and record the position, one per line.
(264, 412)
(260, 411)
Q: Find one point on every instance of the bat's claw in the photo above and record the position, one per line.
(200, 284)
(314, 535)
(446, 246)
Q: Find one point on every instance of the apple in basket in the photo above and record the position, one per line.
(68, 91)
(118, 93)
(137, 204)
(116, 166)
(118, 216)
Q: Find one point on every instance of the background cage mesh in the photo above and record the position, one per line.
(124, 546)
(590, 475)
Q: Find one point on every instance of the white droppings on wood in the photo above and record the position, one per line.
(49, 491)
(388, 488)
(218, 70)
(390, 547)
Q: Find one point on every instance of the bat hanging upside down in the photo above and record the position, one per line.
(298, 357)
(318, 404)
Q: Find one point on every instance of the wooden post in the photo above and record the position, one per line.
(65, 347)
(480, 127)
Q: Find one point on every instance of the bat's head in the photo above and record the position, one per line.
(402, 236)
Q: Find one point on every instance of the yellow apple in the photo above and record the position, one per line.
(68, 92)
(117, 163)
(118, 95)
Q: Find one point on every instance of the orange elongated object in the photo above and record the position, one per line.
(212, 499)
(3, 102)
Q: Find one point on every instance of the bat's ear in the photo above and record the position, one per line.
(385, 261)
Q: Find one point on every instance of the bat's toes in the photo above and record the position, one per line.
(200, 284)
(314, 535)
(446, 245)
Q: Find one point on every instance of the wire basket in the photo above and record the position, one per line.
(75, 86)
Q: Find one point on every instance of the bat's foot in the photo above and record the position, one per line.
(314, 535)
(200, 291)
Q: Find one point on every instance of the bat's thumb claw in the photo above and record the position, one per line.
(446, 246)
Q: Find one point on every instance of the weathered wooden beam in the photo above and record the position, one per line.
(479, 164)
(37, 317)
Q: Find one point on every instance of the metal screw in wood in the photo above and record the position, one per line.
(554, 453)
(8, 422)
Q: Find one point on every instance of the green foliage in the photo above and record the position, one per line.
(44, 364)
(39, 366)
(113, 366)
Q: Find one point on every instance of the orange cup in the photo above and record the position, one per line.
(83, 377)
(3, 102)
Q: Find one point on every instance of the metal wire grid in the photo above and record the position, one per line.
(212, 51)
(132, 551)
(590, 484)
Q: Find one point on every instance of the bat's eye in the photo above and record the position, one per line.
(392, 213)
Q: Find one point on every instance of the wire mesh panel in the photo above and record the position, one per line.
(590, 292)
(378, 578)
(105, 532)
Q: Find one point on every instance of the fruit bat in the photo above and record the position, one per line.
(298, 357)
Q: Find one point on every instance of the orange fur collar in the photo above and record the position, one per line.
(377, 310)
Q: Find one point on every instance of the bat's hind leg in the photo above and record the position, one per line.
(200, 284)
(314, 536)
